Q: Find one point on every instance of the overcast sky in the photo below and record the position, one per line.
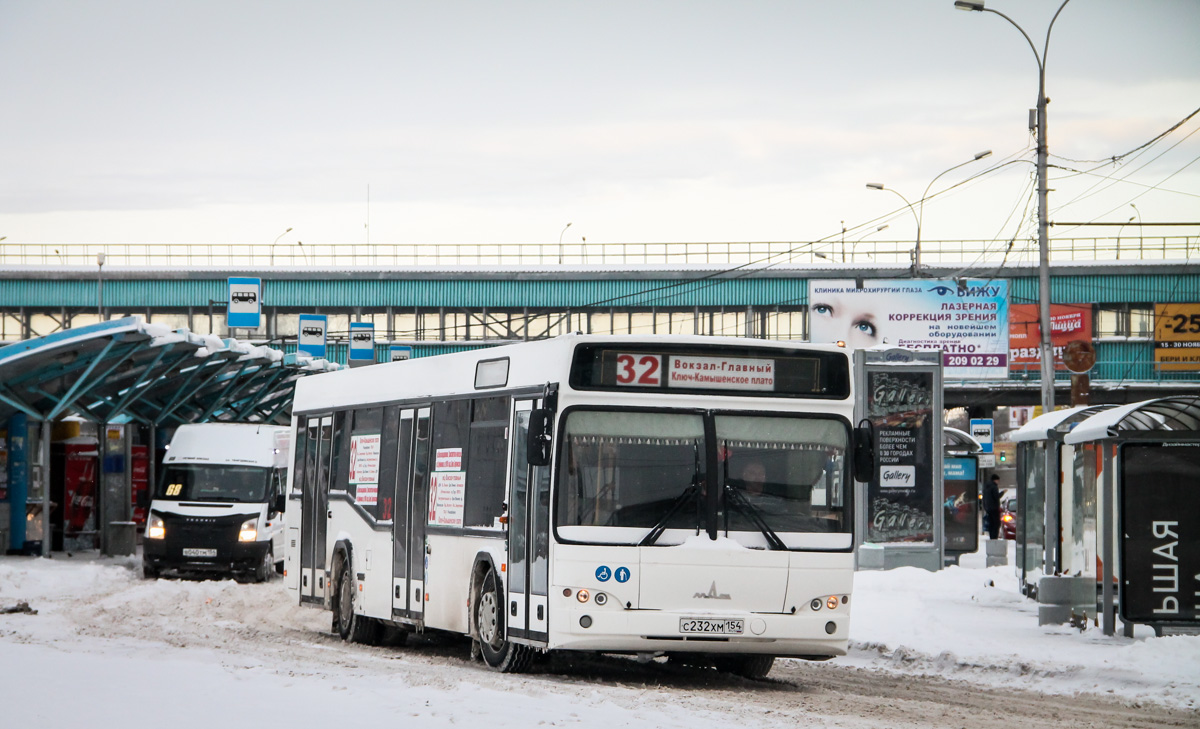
(500, 122)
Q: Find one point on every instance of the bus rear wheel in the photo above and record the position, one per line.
(498, 652)
(351, 626)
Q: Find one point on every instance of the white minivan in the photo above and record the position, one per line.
(218, 505)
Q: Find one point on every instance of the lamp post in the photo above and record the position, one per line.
(856, 241)
(1047, 368)
(289, 230)
(920, 216)
(560, 248)
(100, 285)
(1122, 230)
(916, 249)
(1141, 240)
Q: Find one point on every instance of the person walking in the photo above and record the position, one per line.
(991, 506)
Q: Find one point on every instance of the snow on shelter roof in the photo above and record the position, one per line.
(128, 369)
(1178, 413)
(956, 440)
(1061, 420)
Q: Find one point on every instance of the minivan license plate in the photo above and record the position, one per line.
(706, 626)
(197, 552)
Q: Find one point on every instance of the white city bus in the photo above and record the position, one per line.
(686, 496)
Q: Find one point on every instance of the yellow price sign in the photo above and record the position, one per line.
(1177, 336)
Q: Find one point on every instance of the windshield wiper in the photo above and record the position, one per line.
(736, 499)
(680, 501)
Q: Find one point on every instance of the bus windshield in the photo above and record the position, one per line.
(636, 474)
(632, 470)
(214, 482)
(783, 474)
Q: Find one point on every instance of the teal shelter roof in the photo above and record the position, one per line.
(128, 370)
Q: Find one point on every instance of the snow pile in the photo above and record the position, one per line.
(973, 624)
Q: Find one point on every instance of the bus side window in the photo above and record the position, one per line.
(487, 462)
(451, 432)
(299, 441)
(339, 467)
(368, 424)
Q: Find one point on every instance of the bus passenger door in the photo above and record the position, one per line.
(318, 435)
(402, 423)
(418, 515)
(528, 535)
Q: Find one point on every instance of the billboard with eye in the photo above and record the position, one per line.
(967, 319)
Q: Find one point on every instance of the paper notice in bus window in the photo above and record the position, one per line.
(448, 459)
(722, 373)
(364, 459)
(446, 498)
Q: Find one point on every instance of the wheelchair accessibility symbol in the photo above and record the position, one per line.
(603, 573)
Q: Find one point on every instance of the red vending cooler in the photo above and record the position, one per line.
(139, 477)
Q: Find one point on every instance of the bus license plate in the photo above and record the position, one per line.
(705, 626)
(197, 552)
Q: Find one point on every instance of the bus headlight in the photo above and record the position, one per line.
(248, 532)
(155, 528)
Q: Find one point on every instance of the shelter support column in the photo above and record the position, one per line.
(1107, 514)
(18, 479)
(44, 469)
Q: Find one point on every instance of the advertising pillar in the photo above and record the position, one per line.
(900, 509)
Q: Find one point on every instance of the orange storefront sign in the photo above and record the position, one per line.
(1068, 323)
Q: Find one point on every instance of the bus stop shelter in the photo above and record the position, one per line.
(124, 372)
(1053, 563)
(1147, 462)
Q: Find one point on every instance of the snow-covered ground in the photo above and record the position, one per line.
(107, 648)
(972, 623)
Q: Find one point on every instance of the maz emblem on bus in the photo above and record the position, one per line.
(712, 594)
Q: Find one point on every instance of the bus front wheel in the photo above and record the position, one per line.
(351, 626)
(498, 653)
(753, 667)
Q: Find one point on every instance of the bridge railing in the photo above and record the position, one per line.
(745, 253)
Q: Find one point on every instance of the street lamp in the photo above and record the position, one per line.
(1122, 230)
(560, 248)
(100, 285)
(1047, 368)
(1141, 240)
(920, 216)
(856, 241)
(289, 230)
(917, 248)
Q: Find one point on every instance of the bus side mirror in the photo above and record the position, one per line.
(538, 443)
(864, 452)
(280, 504)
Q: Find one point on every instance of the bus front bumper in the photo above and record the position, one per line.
(613, 629)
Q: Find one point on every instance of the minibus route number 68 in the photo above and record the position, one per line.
(682, 496)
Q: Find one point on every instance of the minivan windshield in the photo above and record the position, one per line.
(625, 477)
(214, 482)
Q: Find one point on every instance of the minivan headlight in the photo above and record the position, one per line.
(155, 528)
(248, 532)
